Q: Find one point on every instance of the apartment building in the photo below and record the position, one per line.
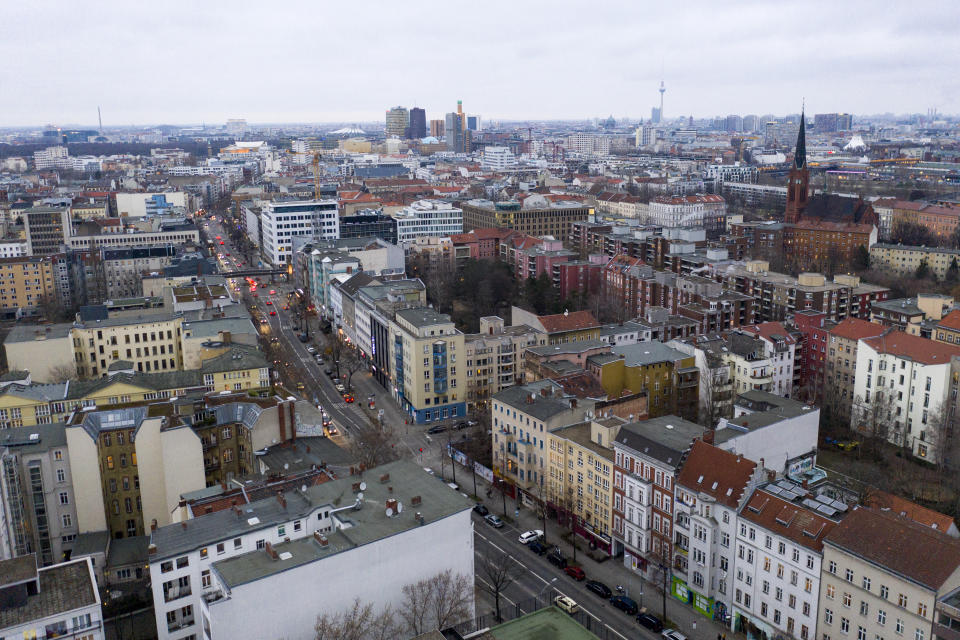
(522, 418)
(903, 260)
(580, 478)
(121, 269)
(647, 457)
(779, 295)
(948, 328)
(708, 211)
(26, 284)
(917, 316)
(282, 221)
(130, 465)
(39, 512)
(427, 218)
(397, 528)
(495, 358)
(669, 377)
(779, 555)
(113, 232)
(429, 383)
(150, 342)
(780, 349)
(46, 230)
(558, 328)
(841, 365)
(905, 386)
(222, 367)
(711, 489)
(886, 575)
(536, 215)
(58, 601)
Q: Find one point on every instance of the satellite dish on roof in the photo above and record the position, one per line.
(399, 507)
(389, 512)
(363, 486)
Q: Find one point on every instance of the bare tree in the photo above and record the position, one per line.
(871, 419)
(437, 602)
(62, 373)
(496, 572)
(358, 623)
(349, 363)
(416, 606)
(374, 446)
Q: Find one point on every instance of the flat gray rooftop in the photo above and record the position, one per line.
(63, 588)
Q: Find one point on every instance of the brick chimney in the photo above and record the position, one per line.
(708, 436)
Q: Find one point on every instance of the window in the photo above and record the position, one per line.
(922, 610)
(807, 585)
(900, 626)
(67, 520)
(64, 498)
(849, 575)
(864, 608)
(261, 544)
(902, 601)
(109, 462)
(827, 616)
(918, 634)
(832, 567)
(61, 475)
(221, 548)
(881, 617)
(831, 592)
(884, 592)
(861, 633)
(182, 562)
(237, 543)
(847, 600)
(866, 583)
(203, 553)
(844, 625)
(282, 530)
(205, 581)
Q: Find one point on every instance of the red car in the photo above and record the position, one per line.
(269, 302)
(575, 572)
(347, 397)
(273, 291)
(273, 313)
(221, 242)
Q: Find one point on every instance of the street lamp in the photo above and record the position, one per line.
(545, 587)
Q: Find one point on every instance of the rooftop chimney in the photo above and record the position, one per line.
(708, 436)
(320, 538)
(415, 500)
(385, 478)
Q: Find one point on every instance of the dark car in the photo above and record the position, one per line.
(437, 429)
(575, 572)
(461, 425)
(556, 558)
(598, 588)
(625, 604)
(650, 622)
(537, 547)
(481, 509)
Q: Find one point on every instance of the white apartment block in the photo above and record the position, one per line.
(779, 552)
(282, 221)
(904, 382)
(427, 218)
(278, 554)
(498, 159)
(13, 248)
(52, 158)
(780, 349)
(684, 211)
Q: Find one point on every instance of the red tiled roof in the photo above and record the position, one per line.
(787, 519)
(904, 345)
(718, 473)
(568, 321)
(856, 329)
(951, 320)
(901, 506)
(770, 329)
(899, 544)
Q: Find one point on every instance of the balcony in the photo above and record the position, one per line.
(211, 465)
(175, 593)
(209, 444)
(180, 624)
(761, 377)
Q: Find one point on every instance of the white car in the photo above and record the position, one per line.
(673, 634)
(529, 536)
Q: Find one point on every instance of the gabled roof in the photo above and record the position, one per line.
(900, 506)
(772, 331)
(951, 320)
(857, 329)
(898, 544)
(907, 346)
(568, 321)
(717, 473)
(792, 521)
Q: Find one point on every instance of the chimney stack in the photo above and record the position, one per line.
(708, 436)
(281, 499)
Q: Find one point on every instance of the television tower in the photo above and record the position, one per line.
(663, 90)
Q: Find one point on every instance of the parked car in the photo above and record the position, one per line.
(340, 387)
(598, 588)
(348, 397)
(650, 622)
(625, 604)
(575, 572)
(537, 547)
(673, 634)
(328, 371)
(481, 509)
(556, 558)
(461, 425)
(273, 313)
(567, 604)
(493, 520)
(529, 536)
(311, 350)
(436, 429)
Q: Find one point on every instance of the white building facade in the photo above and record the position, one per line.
(282, 221)
(426, 218)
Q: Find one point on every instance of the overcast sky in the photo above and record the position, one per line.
(334, 60)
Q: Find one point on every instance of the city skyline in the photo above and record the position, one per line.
(195, 63)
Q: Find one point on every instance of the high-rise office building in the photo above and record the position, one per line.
(456, 133)
(398, 119)
(832, 122)
(751, 123)
(436, 128)
(734, 123)
(418, 124)
(473, 123)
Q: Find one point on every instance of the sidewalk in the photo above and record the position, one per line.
(610, 571)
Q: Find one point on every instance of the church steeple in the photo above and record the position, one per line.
(798, 183)
(800, 155)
